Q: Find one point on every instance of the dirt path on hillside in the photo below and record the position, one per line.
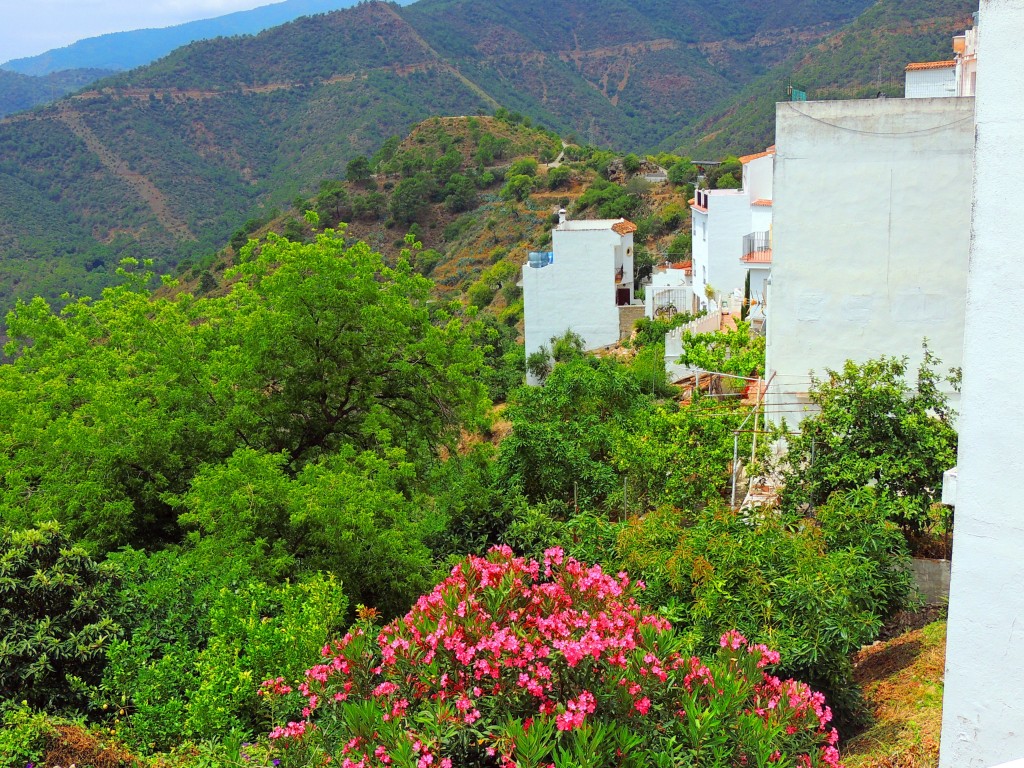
(142, 186)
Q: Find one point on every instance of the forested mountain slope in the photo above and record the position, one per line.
(20, 92)
(866, 57)
(167, 160)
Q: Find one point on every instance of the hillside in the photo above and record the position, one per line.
(127, 50)
(864, 58)
(474, 234)
(166, 161)
(19, 92)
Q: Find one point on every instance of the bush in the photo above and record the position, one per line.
(816, 594)
(517, 188)
(508, 662)
(55, 622)
(525, 166)
(874, 428)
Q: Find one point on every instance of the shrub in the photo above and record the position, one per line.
(55, 623)
(874, 428)
(808, 591)
(511, 663)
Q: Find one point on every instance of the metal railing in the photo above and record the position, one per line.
(757, 241)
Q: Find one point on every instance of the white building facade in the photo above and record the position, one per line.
(721, 219)
(669, 291)
(871, 234)
(941, 79)
(584, 285)
(983, 705)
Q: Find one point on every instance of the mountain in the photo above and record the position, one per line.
(126, 50)
(20, 92)
(166, 161)
(861, 60)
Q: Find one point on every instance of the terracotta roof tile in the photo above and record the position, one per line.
(747, 158)
(758, 257)
(917, 66)
(624, 227)
(763, 203)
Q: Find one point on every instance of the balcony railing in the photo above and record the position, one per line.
(757, 247)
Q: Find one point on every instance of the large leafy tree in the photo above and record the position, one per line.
(111, 406)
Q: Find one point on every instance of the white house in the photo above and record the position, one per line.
(982, 706)
(870, 237)
(670, 290)
(584, 284)
(721, 219)
(930, 79)
(938, 79)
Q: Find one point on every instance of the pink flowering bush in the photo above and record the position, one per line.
(510, 662)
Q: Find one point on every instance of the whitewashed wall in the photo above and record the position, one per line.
(871, 236)
(983, 702)
(931, 83)
(577, 291)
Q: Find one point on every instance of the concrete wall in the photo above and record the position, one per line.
(870, 237)
(757, 178)
(983, 706)
(931, 83)
(728, 223)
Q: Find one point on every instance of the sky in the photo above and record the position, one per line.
(28, 27)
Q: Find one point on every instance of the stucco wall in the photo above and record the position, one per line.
(577, 291)
(729, 220)
(870, 236)
(757, 178)
(983, 706)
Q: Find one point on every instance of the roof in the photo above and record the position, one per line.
(747, 158)
(917, 66)
(758, 257)
(619, 226)
(763, 203)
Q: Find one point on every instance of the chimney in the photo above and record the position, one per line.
(561, 216)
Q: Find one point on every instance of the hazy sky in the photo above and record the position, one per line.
(28, 27)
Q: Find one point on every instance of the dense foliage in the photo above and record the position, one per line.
(874, 428)
(55, 622)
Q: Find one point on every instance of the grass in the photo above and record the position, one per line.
(903, 680)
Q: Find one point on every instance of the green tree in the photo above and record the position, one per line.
(460, 193)
(517, 188)
(563, 432)
(411, 196)
(524, 166)
(358, 170)
(682, 172)
(873, 427)
(559, 178)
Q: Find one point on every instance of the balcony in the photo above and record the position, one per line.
(757, 248)
(540, 259)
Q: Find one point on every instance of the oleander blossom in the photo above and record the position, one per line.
(507, 646)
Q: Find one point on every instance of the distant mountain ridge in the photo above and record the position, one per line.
(166, 161)
(119, 51)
